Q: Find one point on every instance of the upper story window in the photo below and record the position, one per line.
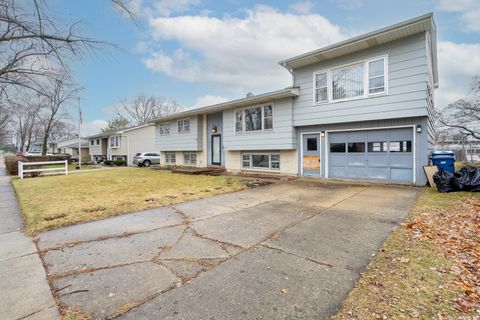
(114, 141)
(91, 142)
(98, 142)
(184, 126)
(259, 118)
(358, 80)
(164, 128)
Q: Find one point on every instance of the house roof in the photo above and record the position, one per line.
(249, 100)
(75, 145)
(391, 33)
(118, 131)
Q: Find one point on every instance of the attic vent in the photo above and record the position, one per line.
(250, 95)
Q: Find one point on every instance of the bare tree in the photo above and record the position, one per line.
(24, 120)
(144, 108)
(4, 120)
(464, 114)
(54, 100)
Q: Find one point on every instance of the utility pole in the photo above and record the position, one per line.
(79, 163)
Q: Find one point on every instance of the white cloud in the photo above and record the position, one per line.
(209, 100)
(93, 127)
(240, 54)
(302, 7)
(469, 11)
(349, 4)
(457, 64)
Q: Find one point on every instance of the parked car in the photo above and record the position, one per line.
(146, 159)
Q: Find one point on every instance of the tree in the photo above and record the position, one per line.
(115, 124)
(24, 121)
(4, 120)
(144, 108)
(52, 112)
(464, 114)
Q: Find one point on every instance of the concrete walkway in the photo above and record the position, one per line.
(24, 290)
(285, 251)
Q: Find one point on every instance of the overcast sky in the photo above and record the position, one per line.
(201, 52)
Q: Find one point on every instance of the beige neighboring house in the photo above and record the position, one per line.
(123, 144)
(70, 146)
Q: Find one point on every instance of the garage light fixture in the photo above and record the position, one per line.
(322, 134)
(419, 129)
(214, 129)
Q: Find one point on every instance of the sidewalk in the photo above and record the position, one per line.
(25, 293)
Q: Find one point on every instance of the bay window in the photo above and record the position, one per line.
(258, 118)
(357, 80)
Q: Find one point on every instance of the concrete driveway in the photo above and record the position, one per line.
(285, 251)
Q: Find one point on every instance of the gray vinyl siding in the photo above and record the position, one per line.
(281, 137)
(180, 142)
(421, 139)
(407, 87)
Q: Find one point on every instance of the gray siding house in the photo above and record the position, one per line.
(358, 109)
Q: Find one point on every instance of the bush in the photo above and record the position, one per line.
(11, 164)
(119, 163)
(108, 162)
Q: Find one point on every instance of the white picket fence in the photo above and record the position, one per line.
(22, 171)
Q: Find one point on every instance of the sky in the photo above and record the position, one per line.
(202, 52)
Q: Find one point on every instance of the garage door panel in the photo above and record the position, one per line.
(338, 159)
(397, 174)
(377, 173)
(401, 134)
(378, 160)
(376, 135)
(338, 137)
(357, 172)
(356, 159)
(401, 160)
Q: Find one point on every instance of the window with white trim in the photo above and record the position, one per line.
(376, 76)
(184, 126)
(114, 142)
(92, 142)
(190, 158)
(251, 119)
(357, 80)
(170, 158)
(164, 128)
(321, 88)
(261, 161)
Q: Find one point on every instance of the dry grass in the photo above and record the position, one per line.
(412, 276)
(56, 201)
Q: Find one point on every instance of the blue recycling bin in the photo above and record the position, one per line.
(444, 160)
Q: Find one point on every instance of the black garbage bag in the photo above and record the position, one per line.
(467, 179)
(444, 181)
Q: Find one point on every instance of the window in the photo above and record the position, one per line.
(358, 80)
(347, 82)
(253, 119)
(238, 120)
(337, 147)
(184, 126)
(356, 147)
(170, 158)
(400, 146)
(98, 142)
(164, 128)
(116, 141)
(267, 117)
(261, 161)
(376, 76)
(190, 158)
(258, 118)
(92, 142)
(112, 142)
(377, 146)
(312, 144)
(321, 89)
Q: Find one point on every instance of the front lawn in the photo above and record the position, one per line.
(429, 267)
(55, 201)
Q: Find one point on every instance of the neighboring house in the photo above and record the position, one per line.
(123, 144)
(70, 146)
(358, 109)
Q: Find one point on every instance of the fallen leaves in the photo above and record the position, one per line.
(457, 231)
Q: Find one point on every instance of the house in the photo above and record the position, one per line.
(358, 109)
(122, 144)
(70, 146)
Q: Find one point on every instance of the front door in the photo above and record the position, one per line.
(311, 155)
(217, 149)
